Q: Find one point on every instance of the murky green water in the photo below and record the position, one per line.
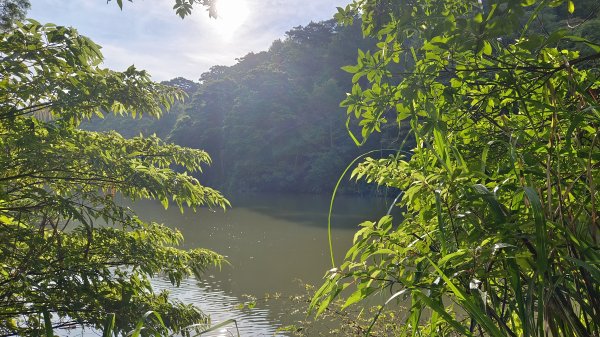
(271, 242)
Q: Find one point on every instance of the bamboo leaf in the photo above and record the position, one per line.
(109, 326)
(48, 330)
(470, 305)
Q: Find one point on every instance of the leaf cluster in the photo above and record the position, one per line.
(499, 235)
(70, 253)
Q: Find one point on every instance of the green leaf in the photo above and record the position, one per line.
(500, 215)
(350, 69)
(140, 324)
(109, 325)
(441, 226)
(540, 228)
(49, 331)
(358, 295)
(487, 48)
(470, 305)
(571, 6)
(541, 254)
(440, 310)
(451, 256)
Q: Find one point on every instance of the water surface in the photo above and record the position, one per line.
(271, 242)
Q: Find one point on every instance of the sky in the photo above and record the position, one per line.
(149, 35)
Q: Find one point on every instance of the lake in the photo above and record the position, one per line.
(271, 242)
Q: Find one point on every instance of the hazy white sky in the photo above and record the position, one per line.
(150, 35)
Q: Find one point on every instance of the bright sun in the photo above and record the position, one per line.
(231, 14)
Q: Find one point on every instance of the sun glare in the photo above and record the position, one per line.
(231, 14)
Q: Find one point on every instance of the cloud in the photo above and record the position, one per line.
(150, 35)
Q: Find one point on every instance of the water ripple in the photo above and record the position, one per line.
(221, 307)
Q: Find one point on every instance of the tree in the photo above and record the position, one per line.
(11, 11)
(499, 235)
(189, 87)
(70, 254)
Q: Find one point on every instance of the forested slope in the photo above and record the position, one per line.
(272, 121)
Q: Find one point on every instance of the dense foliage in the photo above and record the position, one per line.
(499, 235)
(271, 122)
(69, 253)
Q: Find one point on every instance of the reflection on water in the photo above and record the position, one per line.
(270, 241)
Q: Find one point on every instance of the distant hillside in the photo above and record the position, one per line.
(271, 122)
